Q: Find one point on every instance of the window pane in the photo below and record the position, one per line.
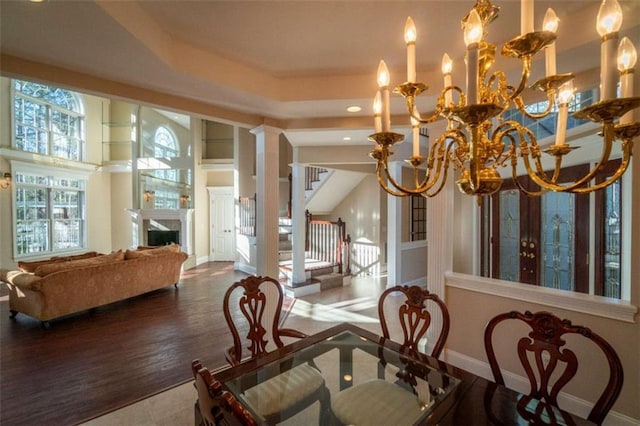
(509, 235)
(558, 242)
(612, 246)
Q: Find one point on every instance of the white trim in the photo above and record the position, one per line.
(568, 402)
(243, 267)
(410, 245)
(202, 259)
(620, 310)
(32, 158)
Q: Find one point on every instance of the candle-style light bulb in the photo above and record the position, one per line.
(473, 28)
(410, 36)
(564, 97)
(627, 55)
(565, 93)
(472, 38)
(609, 18)
(550, 23)
(383, 83)
(383, 75)
(447, 67)
(608, 23)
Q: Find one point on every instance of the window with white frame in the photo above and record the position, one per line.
(47, 120)
(49, 209)
(165, 145)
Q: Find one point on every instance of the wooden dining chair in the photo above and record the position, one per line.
(414, 317)
(554, 365)
(252, 307)
(213, 402)
(380, 401)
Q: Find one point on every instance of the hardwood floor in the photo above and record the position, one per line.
(94, 362)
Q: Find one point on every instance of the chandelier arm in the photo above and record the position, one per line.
(445, 168)
(522, 189)
(608, 130)
(614, 177)
(443, 154)
(404, 191)
(522, 108)
(526, 72)
(383, 184)
(413, 111)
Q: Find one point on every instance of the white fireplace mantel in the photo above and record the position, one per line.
(185, 216)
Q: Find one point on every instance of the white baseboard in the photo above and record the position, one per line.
(242, 267)
(202, 259)
(570, 403)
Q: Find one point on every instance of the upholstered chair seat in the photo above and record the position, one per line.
(376, 402)
(284, 391)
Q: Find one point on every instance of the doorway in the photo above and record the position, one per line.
(222, 241)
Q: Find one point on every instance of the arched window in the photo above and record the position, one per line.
(48, 120)
(165, 145)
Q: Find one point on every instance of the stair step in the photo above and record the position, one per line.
(328, 281)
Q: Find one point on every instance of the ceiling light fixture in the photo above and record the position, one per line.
(354, 108)
(478, 138)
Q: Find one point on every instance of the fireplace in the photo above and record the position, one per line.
(157, 237)
(162, 226)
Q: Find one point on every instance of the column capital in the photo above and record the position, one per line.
(265, 128)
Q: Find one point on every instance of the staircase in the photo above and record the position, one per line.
(320, 275)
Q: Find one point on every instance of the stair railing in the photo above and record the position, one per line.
(327, 241)
(247, 215)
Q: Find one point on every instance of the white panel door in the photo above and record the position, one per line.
(222, 206)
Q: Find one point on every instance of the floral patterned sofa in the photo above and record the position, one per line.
(65, 285)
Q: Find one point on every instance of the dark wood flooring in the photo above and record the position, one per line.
(106, 358)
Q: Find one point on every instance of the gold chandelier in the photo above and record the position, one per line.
(478, 139)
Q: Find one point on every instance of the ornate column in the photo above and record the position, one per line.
(267, 167)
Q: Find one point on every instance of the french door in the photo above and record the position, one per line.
(541, 240)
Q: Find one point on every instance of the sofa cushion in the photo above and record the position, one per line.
(136, 254)
(50, 268)
(32, 266)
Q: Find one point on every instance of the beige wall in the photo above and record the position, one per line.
(361, 213)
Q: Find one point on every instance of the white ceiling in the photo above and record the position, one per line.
(298, 62)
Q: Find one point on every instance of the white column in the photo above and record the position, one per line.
(394, 230)
(297, 220)
(440, 212)
(267, 167)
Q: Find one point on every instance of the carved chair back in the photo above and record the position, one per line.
(414, 317)
(253, 306)
(554, 365)
(215, 406)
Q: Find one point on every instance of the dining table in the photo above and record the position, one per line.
(349, 356)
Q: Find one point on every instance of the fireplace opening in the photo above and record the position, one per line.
(161, 238)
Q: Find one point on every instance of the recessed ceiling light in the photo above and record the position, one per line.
(346, 138)
(354, 108)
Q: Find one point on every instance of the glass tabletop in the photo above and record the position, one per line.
(347, 362)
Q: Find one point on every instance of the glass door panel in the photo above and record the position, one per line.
(557, 240)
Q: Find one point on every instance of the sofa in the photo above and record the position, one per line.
(62, 286)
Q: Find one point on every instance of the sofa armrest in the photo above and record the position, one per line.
(20, 279)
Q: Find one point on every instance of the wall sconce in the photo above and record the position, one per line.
(184, 199)
(6, 181)
(148, 195)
